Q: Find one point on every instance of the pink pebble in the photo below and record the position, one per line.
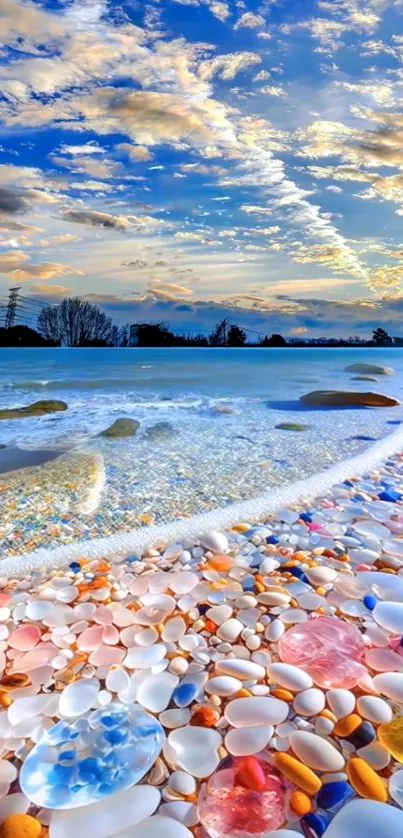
(90, 639)
(110, 635)
(106, 656)
(329, 649)
(40, 656)
(103, 616)
(25, 638)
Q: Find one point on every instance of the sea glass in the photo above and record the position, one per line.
(244, 798)
(329, 649)
(391, 737)
(77, 763)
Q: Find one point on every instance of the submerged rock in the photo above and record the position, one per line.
(121, 428)
(291, 426)
(363, 378)
(224, 410)
(370, 369)
(345, 398)
(41, 408)
(161, 431)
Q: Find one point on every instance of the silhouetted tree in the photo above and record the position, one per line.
(124, 335)
(274, 340)
(236, 336)
(22, 336)
(381, 337)
(218, 336)
(75, 322)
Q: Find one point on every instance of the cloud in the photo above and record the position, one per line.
(10, 261)
(51, 291)
(171, 288)
(249, 20)
(102, 169)
(139, 153)
(91, 147)
(16, 264)
(98, 219)
(228, 66)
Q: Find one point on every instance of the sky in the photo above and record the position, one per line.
(187, 160)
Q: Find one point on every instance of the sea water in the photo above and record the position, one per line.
(222, 445)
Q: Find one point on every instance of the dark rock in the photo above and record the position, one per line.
(121, 428)
(369, 369)
(161, 431)
(344, 398)
(291, 426)
(41, 408)
(363, 378)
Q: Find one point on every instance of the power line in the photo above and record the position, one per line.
(12, 307)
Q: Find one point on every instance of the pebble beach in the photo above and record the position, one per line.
(249, 683)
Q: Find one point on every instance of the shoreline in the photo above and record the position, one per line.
(193, 632)
(256, 509)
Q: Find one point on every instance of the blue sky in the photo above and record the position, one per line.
(191, 159)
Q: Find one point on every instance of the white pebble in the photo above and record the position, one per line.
(375, 709)
(248, 740)
(341, 702)
(316, 752)
(309, 702)
(289, 676)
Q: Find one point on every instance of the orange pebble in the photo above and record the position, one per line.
(220, 562)
(20, 826)
(283, 695)
(347, 726)
(210, 626)
(205, 717)
(300, 803)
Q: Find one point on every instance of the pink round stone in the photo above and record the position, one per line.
(329, 649)
(229, 809)
(25, 638)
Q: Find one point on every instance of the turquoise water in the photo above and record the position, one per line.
(222, 444)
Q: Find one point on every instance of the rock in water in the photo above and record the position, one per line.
(364, 378)
(370, 369)
(121, 428)
(345, 398)
(41, 408)
(97, 755)
(366, 817)
(291, 426)
(161, 431)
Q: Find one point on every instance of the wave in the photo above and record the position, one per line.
(190, 529)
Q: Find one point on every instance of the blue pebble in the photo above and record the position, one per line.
(299, 573)
(248, 583)
(348, 483)
(307, 517)
(390, 496)
(333, 795)
(272, 539)
(132, 559)
(318, 822)
(75, 567)
(184, 694)
(370, 601)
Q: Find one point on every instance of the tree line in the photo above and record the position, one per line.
(78, 323)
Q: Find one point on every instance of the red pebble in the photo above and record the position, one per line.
(250, 774)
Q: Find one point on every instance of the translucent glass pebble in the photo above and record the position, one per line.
(245, 797)
(328, 648)
(78, 763)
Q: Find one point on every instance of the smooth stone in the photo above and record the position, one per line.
(40, 408)
(195, 749)
(309, 702)
(389, 615)
(374, 708)
(29, 707)
(371, 369)
(223, 685)
(230, 630)
(289, 676)
(77, 763)
(144, 657)
(391, 736)
(219, 613)
(25, 638)
(217, 542)
(333, 795)
(77, 698)
(341, 702)
(375, 755)
(157, 827)
(396, 788)
(321, 575)
(106, 817)
(366, 817)
(256, 711)
(346, 398)
(384, 585)
(121, 428)
(245, 670)
(245, 741)
(316, 752)
(182, 783)
(390, 684)
(155, 692)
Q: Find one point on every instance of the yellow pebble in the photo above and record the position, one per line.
(298, 773)
(365, 781)
(20, 826)
(300, 803)
(327, 714)
(391, 737)
(283, 695)
(321, 591)
(241, 528)
(344, 727)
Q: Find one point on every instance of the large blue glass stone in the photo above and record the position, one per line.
(79, 762)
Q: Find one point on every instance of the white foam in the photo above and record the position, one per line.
(137, 541)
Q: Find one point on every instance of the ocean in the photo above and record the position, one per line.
(220, 442)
